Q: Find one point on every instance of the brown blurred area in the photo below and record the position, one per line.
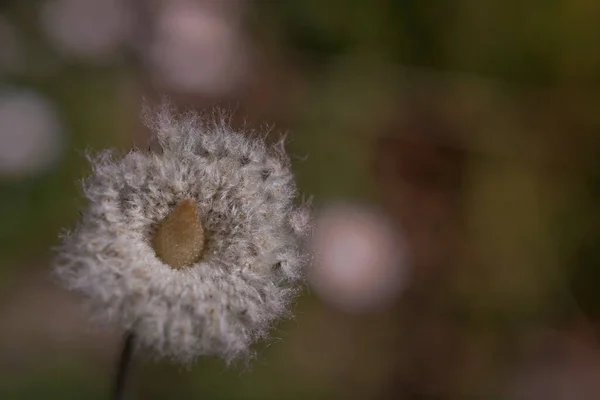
(451, 153)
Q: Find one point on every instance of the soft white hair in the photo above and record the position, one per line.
(253, 256)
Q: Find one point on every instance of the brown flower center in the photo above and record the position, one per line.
(179, 238)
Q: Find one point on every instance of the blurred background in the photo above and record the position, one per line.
(451, 151)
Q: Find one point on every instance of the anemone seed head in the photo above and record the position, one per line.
(197, 248)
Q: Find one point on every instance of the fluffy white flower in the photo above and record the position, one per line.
(194, 248)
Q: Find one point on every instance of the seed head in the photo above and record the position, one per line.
(179, 238)
(196, 248)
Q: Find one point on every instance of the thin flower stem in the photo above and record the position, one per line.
(123, 367)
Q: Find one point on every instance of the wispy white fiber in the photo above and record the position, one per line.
(253, 254)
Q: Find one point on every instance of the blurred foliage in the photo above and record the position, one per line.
(531, 226)
(31, 205)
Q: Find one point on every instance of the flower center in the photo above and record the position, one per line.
(179, 238)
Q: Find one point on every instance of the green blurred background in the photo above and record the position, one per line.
(451, 150)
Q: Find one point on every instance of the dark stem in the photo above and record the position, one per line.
(123, 367)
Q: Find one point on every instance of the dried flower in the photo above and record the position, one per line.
(195, 248)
